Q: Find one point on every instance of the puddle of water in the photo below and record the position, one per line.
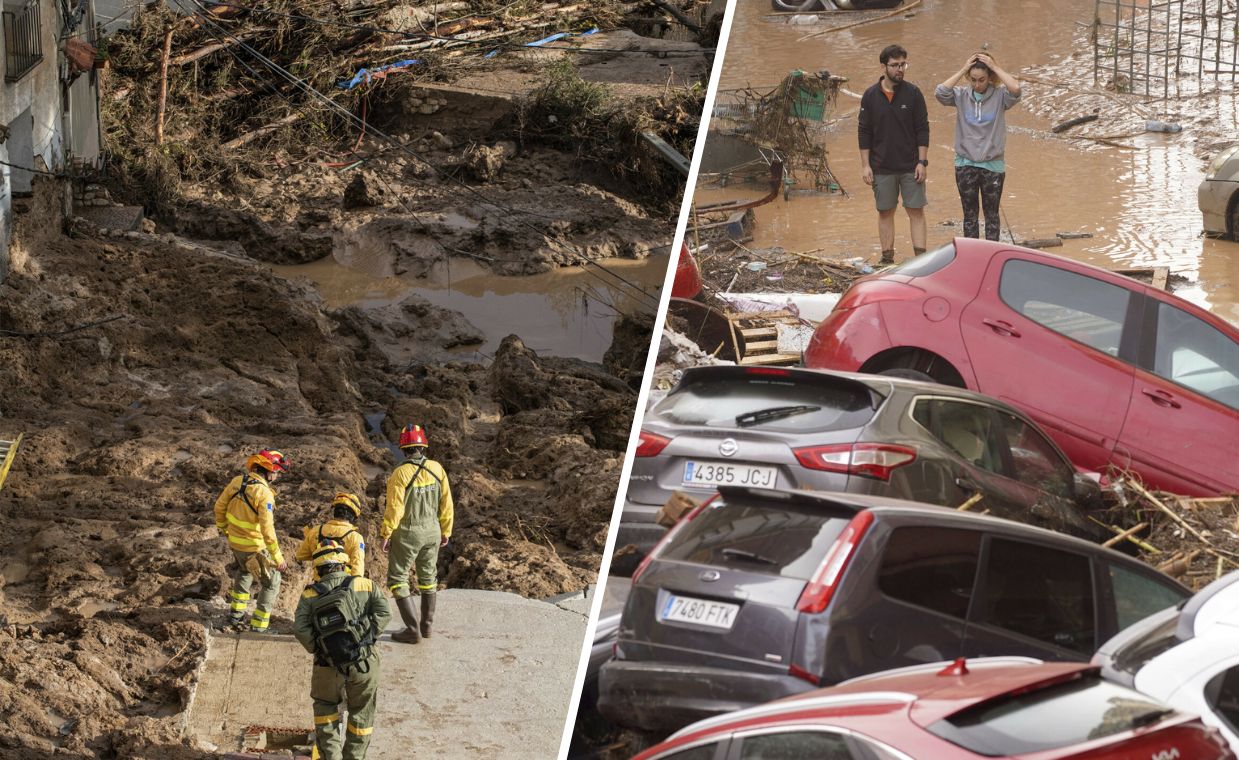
(568, 312)
(1140, 205)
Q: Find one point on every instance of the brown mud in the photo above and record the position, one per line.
(112, 563)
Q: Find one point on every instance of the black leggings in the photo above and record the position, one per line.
(973, 181)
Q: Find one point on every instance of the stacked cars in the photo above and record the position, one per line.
(816, 558)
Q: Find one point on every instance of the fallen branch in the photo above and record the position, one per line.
(249, 137)
(163, 86)
(895, 12)
(1148, 548)
(1077, 121)
(205, 50)
(679, 15)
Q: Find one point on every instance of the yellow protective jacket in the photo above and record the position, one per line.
(249, 518)
(398, 485)
(354, 545)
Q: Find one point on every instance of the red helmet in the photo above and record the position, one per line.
(413, 435)
(268, 459)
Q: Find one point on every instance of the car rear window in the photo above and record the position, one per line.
(1081, 710)
(780, 539)
(926, 263)
(806, 406)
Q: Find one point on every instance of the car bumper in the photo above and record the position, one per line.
(660, 696)
(1213, 197)
(638, 528)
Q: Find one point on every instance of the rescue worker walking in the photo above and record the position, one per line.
(345, 508)
(245, 513)
(418, 520)
(338, 620)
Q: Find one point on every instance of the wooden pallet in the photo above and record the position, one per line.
(758, 345)
(8, 452)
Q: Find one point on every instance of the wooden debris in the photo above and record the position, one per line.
(163, 86)
(895, 12)
(1178, 564)
(1068, 124)
(1125, 534)
(970, 503)
(1073, 235)
(249, 137)
(1053, 242)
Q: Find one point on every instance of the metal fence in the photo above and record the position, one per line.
(1149, 46)
(23, 40)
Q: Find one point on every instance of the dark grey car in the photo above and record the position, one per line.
(763, 594)
(832, 431)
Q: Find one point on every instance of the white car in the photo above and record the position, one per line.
(1218, 195)
(1186, 656)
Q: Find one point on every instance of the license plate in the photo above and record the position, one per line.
(683, 609)
(709, 474)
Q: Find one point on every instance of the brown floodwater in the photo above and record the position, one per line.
(567, 312)
(1140, 205)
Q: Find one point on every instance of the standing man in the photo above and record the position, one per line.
(980, 137)
(338, 620)
(245, 513)
(893, 128)
(419, 521)
(345, 508)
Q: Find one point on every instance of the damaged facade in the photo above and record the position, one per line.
(49, 102)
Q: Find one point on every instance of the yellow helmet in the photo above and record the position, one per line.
(349, 500)
(330, 551)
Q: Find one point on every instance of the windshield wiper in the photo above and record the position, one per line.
(750, 556)
(773, 413)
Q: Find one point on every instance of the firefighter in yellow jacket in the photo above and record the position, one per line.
(245, 513)
(345, 509)
(418, 521)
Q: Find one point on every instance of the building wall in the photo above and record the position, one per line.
(38, 92)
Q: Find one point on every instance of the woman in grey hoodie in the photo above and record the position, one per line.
(980, 136)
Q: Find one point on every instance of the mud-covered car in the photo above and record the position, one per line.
(784, 428)
(1218, 195)
(1185, 656)
(807, 6)
(993, 707)
(1119, 373)
(757, 595)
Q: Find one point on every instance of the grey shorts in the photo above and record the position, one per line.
(888, 187)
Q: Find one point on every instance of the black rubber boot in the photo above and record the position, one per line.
(408, 613)
(428, 613)
(888, 257)
(917, 251)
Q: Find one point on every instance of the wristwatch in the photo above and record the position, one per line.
(924, 162)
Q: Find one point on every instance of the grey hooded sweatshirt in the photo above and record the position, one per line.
(981, 128)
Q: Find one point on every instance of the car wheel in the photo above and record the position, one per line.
(908, 374)
(865, 5)
(805, 6)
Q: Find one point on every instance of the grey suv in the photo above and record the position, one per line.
(762, 594)
(834, 431)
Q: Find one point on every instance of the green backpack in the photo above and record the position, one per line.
(343, 633)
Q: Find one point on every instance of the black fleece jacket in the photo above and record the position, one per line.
(892, 130)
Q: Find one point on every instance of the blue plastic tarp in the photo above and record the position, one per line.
(366, 75)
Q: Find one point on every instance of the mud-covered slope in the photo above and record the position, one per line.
(109, 560)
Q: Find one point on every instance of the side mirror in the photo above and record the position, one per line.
(1085, 490)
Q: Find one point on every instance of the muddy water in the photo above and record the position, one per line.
(1139, 204)
(567, 312)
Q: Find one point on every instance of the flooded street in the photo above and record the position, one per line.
(1139, 204)
(567, 312)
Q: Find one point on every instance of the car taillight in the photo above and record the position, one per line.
(685, 520)
(768, 371)
(872, 460)
(651, 444)
(817, 593)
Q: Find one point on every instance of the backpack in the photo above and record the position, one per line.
(343, 633)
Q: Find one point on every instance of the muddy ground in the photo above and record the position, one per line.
(144, 366)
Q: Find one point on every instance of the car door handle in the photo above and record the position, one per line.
(967, 484)
(1002, 328)
(1161, 398)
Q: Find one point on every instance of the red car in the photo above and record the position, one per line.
(1117, 372)
(1010, 707)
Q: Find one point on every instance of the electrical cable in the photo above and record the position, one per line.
(300, 84)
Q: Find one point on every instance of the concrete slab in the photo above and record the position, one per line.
(112, 217)
(493, 682)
